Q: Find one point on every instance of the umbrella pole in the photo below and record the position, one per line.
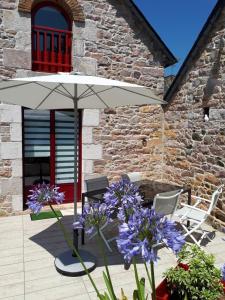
(75, 231)
(68, 263)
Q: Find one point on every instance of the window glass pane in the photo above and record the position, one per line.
(64, 149)
(50, 17)
(36, 146)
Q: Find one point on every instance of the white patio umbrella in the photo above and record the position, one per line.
(74, 91)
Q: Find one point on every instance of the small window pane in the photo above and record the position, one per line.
(50, 17)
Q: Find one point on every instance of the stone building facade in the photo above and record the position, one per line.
(110, 39)
(194, 135)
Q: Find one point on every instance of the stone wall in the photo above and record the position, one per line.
(112, 42)
(194, 147)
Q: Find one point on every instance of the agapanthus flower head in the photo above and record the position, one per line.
(123, 196)
(95, 215)
(43, 194)
(143, 231)
(223, 272)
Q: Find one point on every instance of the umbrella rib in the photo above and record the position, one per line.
(14, 86)
(84, 93)
(91, 93)
(98, 97)
(57, 91)
(52, 91)
(66, 90)
(136, 93)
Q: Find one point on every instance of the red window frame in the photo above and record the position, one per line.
(49, 60)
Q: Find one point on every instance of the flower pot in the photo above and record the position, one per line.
(162, 293)
(223, 283)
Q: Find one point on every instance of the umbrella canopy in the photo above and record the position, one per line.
(65, 91)
(59, 91)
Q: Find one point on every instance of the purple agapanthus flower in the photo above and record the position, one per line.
(124, 197)
(223, 272)
(95, 215)
(143, 231)
(43, 194)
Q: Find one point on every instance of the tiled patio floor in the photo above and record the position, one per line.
(27, 251)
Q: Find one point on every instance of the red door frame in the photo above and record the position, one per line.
(50, 61)
(68, 188)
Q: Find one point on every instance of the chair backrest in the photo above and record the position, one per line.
(215, 198)
(166, 203)
(96, 183)
(125, 177)
(134, 176)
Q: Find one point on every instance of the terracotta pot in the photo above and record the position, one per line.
(162, 293)
(223, 283)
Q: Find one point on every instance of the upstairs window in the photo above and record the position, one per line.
(51, 39)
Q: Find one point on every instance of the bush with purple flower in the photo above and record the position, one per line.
(145, 230)
(123, 197)
(95, 215)
(43, 194)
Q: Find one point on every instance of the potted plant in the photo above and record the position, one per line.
(195, 277)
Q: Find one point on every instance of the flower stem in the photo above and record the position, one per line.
(149, 277)
(71, 246)
(106, 263)
(153, 280)
(137, 279)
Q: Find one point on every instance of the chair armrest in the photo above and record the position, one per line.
(194, 208)
(201, 199)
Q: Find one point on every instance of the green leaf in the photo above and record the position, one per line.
(142, 287)
(108, 286)
(135, 295)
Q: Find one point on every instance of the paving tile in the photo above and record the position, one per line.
(10, 269)
(50, 282)
(18, 297)
(83, 297)
(28, 259)
(9, 260)
(11, 290)
(61, 292)
(11, 243)
(43, 272)
(116, 279)
(11, 278)
(38, 264)
(11, 252)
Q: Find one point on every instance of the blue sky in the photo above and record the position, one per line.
(178, 23)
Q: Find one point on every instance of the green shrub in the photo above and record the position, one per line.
(201, 281)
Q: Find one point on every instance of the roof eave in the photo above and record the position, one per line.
(171, 59)
(194, 50)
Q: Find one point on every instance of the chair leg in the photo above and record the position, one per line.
(105, 241)
(189, 233)
(82, 236)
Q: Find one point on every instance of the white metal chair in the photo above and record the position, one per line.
(197, 216)
(166, 202)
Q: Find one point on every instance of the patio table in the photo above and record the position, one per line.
(148, 188)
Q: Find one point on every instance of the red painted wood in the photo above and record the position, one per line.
(49, 60)
(67, 188)
(52, 147)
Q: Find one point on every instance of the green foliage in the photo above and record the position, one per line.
(201, 281)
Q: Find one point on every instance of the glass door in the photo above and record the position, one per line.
(49, 150)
